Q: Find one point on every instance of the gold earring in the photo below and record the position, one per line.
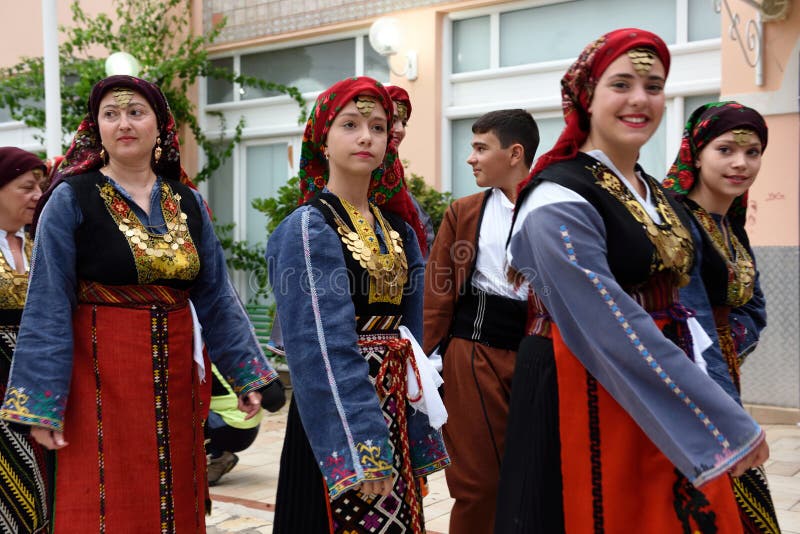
(157, 151)
(103, 154)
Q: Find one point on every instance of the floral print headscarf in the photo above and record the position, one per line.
(705, 124)
(314, 171)
(580, 80)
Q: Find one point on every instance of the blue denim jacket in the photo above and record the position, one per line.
(43, 358)
(747, 321)
(337, 402)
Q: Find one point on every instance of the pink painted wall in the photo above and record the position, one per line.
(773, 217)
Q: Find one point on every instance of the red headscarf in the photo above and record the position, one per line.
(387, 188)
(579, 82)
(314, 169)
(399, 94)
(401, 203)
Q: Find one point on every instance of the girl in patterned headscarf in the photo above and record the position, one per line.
(719, 159)
(348, 275)
(109, 359)
(612, 416)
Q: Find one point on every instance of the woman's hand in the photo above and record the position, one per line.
(49, 439)
(250, 404)
(757, 456)
(381, 486)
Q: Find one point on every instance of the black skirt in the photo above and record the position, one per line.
(296, 508)
(529, 498)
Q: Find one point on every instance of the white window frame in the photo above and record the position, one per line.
(550, 105)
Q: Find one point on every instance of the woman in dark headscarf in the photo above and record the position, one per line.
(109, 363)
(718, 161)
(614, 425)
(348, 275)
(25, 483)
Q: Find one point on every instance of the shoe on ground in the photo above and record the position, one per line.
(219, 466)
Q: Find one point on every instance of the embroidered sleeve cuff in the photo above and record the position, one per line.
(28, 419)
(259, 383)
(251, 374)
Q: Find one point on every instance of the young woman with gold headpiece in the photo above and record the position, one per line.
(614, 425)
(347, 278)
(718, 161)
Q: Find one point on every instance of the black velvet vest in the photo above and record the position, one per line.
(632, 257)
(103, 254)
(358, 276)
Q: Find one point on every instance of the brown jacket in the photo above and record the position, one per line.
(450, 266)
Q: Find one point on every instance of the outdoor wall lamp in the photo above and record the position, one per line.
(122, 63)
(385, 37)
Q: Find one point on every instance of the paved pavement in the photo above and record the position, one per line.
(244, 499)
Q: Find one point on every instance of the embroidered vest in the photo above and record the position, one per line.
(637, 248)
(115, 248)
(14, 285)
(728, 269)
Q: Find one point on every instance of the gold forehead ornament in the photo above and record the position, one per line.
(122, 96)
(402, 111)
(642, 60)
(365, 105)
(742, 137)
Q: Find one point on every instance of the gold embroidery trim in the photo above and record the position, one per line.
(388, 272)
(14, 285)
(739, 263)
(171, 255)
(673, 243)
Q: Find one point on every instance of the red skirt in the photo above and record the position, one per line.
(614, 477)
(135, 461)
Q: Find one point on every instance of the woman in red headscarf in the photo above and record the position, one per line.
(614, 425)
(347, 279)
(406, 206)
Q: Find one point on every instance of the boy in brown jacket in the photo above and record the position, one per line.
(475, 318)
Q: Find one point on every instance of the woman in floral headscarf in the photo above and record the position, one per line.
(349, 278)
(614, 425)
(718, 161)
(109, 364)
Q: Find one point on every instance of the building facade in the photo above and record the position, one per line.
(476, 56)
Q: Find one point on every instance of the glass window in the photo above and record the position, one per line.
(471, 44)
(704, 21)
(220, 192)
(543, 33)
(309, 68)
(267, 170)
(463, 182)
(549, 130)
(691, 103)
(5, 114)
(375, 65)
(653, 156)
(220, 90)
